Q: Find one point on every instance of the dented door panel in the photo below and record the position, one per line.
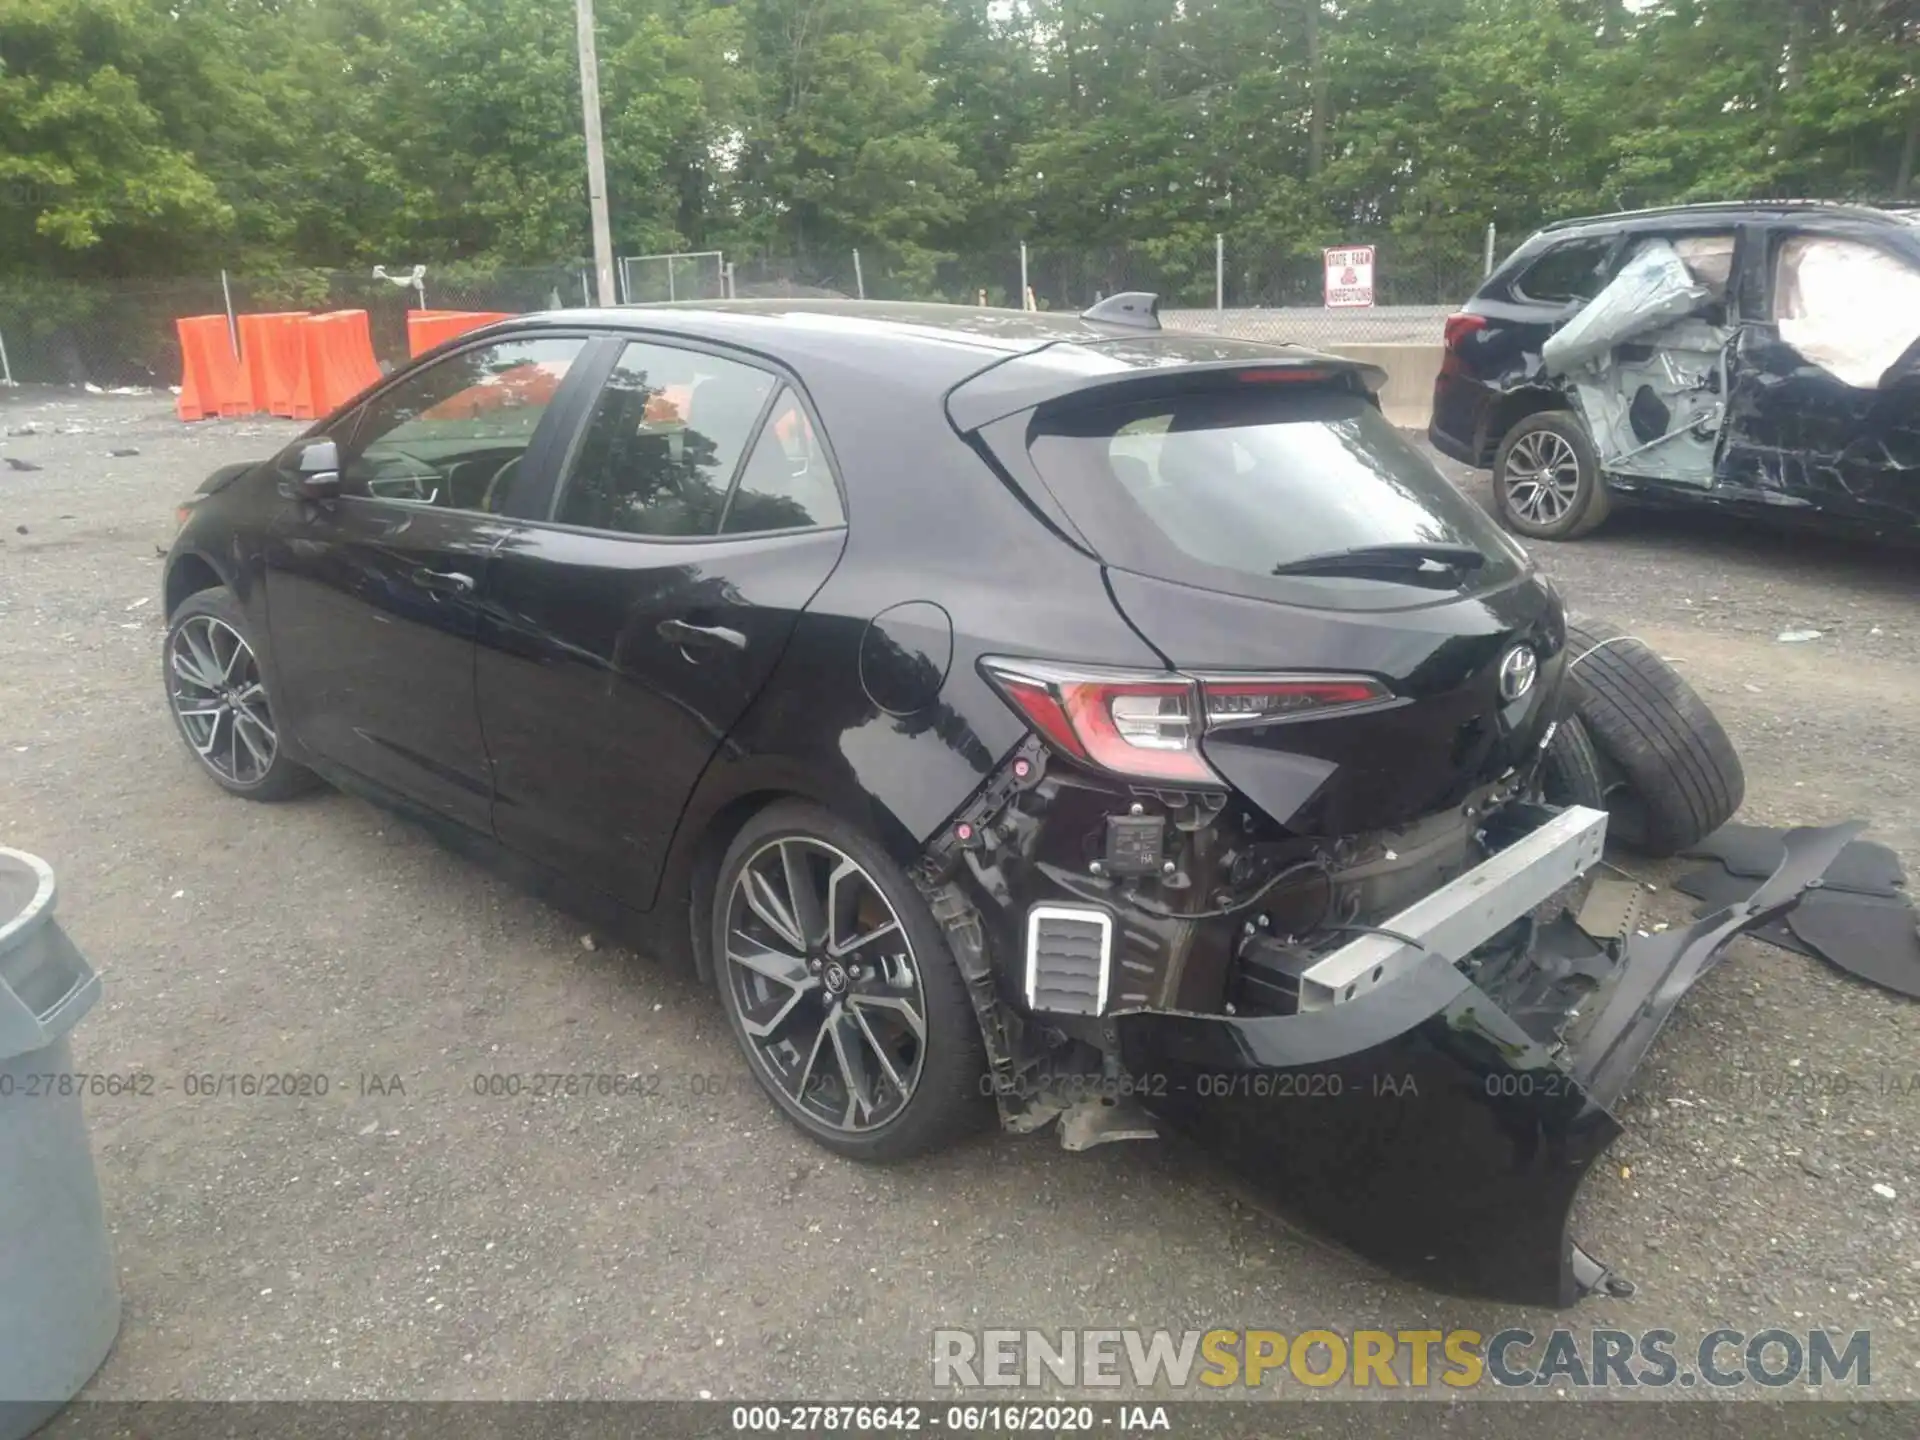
(1680, 371)
(1799, 436)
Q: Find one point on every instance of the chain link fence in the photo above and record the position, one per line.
(117, 333)
(112, 333)
(692, 275)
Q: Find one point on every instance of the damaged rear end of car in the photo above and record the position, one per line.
(1292, 891)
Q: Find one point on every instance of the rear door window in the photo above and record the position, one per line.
(787, 484)
(1573, 270)
(1219, 489)
(662, 445)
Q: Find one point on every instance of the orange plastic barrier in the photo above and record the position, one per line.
(668, 405)
(272, 351)
(338, 350)
(428, 328)
(534, 383)
(211, 380)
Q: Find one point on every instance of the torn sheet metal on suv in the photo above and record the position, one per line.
(1736, 409)
(1441, 1121)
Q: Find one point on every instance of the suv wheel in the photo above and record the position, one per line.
(1546, 478)
(840, 989)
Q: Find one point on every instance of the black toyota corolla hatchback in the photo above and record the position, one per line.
(1051, 716)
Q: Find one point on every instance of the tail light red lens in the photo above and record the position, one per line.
(1132, 723)
(1148, 725)
(1254, 701)
(1460, 326)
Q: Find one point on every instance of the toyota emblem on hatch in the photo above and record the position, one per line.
(1517, 671)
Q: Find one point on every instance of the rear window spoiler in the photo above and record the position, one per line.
(1133, 368)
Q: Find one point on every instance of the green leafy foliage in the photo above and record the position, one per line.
(175, 137)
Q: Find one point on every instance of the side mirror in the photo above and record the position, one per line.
(317, 471)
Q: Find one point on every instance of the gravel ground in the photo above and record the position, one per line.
(427, 1242)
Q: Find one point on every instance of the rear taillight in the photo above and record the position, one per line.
(1260, 700)
(1129, 722)
(1148, 725)
(1460, 326)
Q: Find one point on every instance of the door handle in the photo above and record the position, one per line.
(713, 637)
(447, 582)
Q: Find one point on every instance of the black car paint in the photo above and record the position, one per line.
(1797, 442)
(1427, 1087)
(618, 763)
(353, 579)
(1368, 772)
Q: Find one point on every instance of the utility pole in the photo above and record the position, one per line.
(596, 154)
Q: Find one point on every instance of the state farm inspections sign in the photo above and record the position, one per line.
(1349, 276)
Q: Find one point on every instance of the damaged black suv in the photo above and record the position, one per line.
(1762, 356)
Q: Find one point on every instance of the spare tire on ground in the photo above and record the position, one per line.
(1672, 775)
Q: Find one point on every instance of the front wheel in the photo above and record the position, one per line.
(218, 695)
(841, 991)
(1546, 478)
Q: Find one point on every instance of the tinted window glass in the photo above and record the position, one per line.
(453, 433)
(786, 485)
(1218, 489)
(1567, 272)
(663, 442)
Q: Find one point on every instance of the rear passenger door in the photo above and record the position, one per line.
(1548, 292)
(631, 619)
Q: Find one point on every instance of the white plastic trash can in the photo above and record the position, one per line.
(59, 1297)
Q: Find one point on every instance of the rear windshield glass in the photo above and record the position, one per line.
(1218, 489)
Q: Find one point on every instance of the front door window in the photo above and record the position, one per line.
(453, 434)
(1851, 308)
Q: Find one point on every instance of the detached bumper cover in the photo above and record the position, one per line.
(1420, 1125)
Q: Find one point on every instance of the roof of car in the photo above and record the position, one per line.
(931, 349)
(973, 327)
(1719, 209)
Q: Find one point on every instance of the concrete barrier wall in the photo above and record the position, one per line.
(1403, 340)
(1407, 397)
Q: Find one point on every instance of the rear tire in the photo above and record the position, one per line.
(1547, 483)
(1675, 776)
(871, 1049)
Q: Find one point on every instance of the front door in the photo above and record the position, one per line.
(622, 637)
(1825, 390)
(373, 599)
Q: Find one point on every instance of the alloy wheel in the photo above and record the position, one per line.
(220, 699)
(1543, 477)
(825, 984)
